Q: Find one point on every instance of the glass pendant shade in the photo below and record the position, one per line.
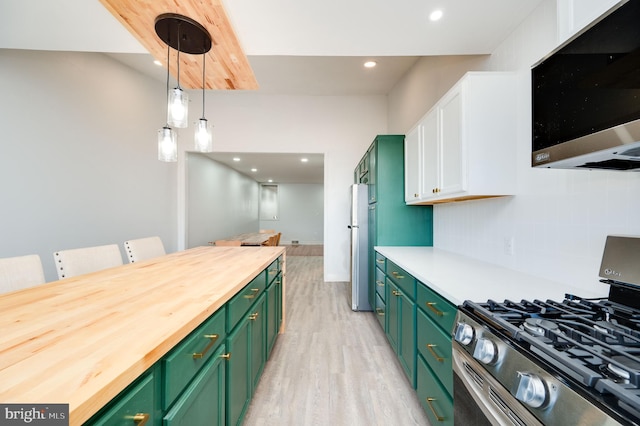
(178, 107)
(203, 139)
(167, 144)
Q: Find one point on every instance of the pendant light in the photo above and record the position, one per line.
(186, 36)
(167, 138)
(202, 135)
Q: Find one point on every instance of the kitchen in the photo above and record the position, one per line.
(80, 167)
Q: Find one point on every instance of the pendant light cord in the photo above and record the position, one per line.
(167, 102)
(179, 55)
(204, 63)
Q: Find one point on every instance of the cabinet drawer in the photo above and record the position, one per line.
(241, 302)
(403, 280)
(440, 310)
(435, 346)
(184, 361)
(436, 401)
(380, 261)
(380, 283)
(135, 402)
(273, 270)
(380, 310)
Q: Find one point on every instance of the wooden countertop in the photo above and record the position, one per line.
(82, 340)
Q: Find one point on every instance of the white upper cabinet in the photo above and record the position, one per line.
(574, 15)
(464, 147)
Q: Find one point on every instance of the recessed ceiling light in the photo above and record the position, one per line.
(158, 63)
(236, 158)
(370, 64)
(436, 15)
(254, 170)
(304, 160)
(270, 180)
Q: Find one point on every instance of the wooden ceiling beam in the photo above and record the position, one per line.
(227, 67)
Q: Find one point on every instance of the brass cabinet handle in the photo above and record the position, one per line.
(380, 283)
(251, 296)
(433, 353)
(380, 260)
(430, 305)
(213, 337)
(397, 275)
(396, 293)
(141, 419)
(380, 311)
(415, 195)
(433, 410)
(254, 316)
(226, 356)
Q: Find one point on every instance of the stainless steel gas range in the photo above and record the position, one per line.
(573, 362)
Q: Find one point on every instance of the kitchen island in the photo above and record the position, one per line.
(82, 340)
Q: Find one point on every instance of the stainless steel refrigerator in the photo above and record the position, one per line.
(359, 247)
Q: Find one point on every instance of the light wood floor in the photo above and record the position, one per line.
(332, 366)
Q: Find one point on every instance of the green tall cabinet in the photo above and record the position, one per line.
(391, 221)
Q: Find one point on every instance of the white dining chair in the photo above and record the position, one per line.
(70, 263)
(20, 272)
(143, 248)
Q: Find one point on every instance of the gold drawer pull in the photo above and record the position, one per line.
(141, 419)
(254, 316)
(213, 337)
(380, 260)
(396, 293)
(252, 296)
(380, 311)
(430, 305)
(433, 410)
(226, 356)
(380, 283)
(397, 275)
(433, 353)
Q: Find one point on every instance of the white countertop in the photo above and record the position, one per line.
(459, 278)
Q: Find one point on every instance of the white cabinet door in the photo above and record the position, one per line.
(412, 143)
(430, 164)
(451, 164)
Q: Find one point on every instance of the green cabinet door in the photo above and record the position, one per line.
(407, 334)
(274, 312)
(392, 314)
(203, 402)
(258, 348)
(247, 346)
(134, 405)
(238, 372)
(401, 331)
(371, 290)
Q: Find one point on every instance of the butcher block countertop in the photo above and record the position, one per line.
(82, 340)
(459, 278)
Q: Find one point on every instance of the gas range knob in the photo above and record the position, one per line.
(464, 333)
(485, 351)
(531, 390)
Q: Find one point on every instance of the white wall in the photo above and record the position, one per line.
(340, 127)
(220, 201)
(558, 219)
(78, 165)
(300, 213)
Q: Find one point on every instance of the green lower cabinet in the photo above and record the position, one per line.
(135, 405)
(401, 328)
(436, 401)
(246, 345)
(274, 312)
(203, 402)
(435, 347)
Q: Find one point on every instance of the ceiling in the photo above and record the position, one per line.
(293, 47)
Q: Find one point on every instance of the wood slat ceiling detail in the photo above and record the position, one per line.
(227, 67)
